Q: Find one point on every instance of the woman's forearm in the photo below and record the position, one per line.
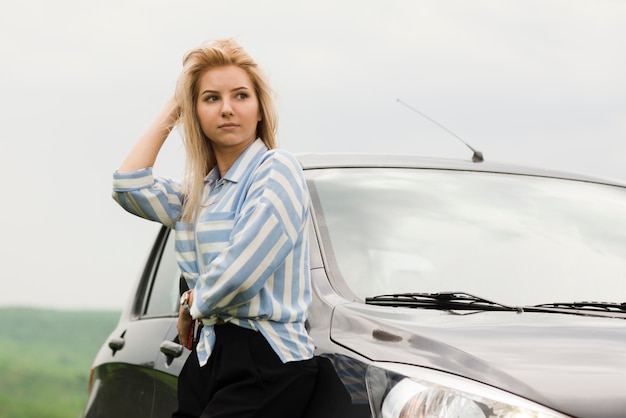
(145, 151)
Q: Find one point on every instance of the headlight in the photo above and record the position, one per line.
(401, 391)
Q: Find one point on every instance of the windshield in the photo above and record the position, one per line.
(515, 239)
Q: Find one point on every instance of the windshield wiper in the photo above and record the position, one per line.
(455, 301)
(440, 300)
(586, 305)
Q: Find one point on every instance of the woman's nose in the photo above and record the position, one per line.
(227, 109)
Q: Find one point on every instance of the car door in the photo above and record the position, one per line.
(172, 355)
(130, 370)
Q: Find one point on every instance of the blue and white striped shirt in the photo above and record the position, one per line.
(246, 254)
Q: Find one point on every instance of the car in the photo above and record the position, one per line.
(441, 288)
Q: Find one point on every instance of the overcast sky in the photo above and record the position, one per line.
(535, 82)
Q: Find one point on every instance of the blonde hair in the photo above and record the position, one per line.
(200, 158)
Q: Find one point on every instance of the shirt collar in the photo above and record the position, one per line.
(236, 171)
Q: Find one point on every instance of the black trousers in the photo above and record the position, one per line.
(244, 377)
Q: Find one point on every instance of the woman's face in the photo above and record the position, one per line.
(228, 109)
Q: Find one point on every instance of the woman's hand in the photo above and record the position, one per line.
(184, 326)
(170, 113)
(145, 151)
(185, 321)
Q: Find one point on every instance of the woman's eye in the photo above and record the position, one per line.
(211, 98)
(242, 95)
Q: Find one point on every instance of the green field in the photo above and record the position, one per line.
(45, 357)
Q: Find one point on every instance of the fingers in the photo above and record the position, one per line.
(183, 337)
(183, 327)
(183, 340)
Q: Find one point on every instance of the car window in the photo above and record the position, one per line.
(511, 238)
(164, 294)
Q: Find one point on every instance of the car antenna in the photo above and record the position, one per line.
(477, 157)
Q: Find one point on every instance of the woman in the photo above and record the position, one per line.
(240, 219)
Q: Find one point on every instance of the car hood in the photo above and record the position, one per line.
(571, 363)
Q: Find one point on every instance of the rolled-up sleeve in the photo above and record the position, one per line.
(149, 197)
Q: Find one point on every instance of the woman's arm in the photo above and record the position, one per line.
(145, 151)
(134, 186)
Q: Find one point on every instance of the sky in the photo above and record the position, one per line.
(532, 82)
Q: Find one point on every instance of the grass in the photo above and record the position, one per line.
(45, 357)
